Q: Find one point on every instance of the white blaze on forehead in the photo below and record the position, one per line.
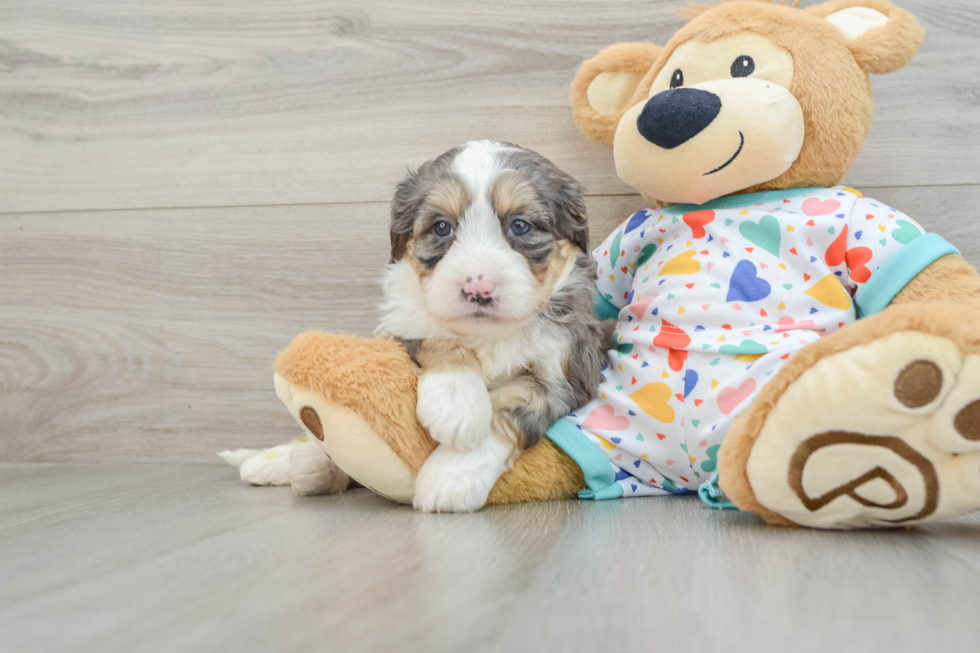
(477, 166)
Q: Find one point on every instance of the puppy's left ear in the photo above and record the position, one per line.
(571, 215)
(404, 206)
(882, 37)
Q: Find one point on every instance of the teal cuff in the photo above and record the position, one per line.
(896, 273)
(712, 496)
(599, 473)
(604, 308)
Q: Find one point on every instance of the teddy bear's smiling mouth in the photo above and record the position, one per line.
(734, 156)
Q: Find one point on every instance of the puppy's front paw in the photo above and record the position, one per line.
(455, 408)
(459, 481)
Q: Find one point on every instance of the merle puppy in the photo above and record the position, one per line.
(490, 288)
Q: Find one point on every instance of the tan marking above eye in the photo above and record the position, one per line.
(919, 383)
(511, 193)
(705, 62)
(448, 197)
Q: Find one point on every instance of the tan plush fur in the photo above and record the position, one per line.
(948, 319)
(825, 66)
(376, 378)
(949, 278)
(542, 473)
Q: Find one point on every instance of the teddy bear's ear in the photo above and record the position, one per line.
(604, 86)
(882, 37)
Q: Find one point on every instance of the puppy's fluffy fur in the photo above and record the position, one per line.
(490, 288)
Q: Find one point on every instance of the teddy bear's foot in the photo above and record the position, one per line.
(349, 441)
(881, 433)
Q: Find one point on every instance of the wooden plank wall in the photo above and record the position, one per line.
(186, 185)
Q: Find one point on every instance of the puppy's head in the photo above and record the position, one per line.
(489, 231)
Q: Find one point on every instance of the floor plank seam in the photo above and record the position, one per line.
(385, 202)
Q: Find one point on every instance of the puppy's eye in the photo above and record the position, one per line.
(743, 66)
(519, 227)
(677, 79)
(442, 229)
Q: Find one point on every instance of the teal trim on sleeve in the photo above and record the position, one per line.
(737, 201)
(895, 273)
(604, 308)
(712, 496)
(599, 474)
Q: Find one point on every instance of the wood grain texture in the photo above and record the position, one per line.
(151, 335)
(108, 104)
(185, 558)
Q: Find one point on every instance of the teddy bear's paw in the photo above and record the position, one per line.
(460, 481)
(311, 471)
(455, 408)
(883, 434)
(348, 442)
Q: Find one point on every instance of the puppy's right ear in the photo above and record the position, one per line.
(404, 207)
(603, 89)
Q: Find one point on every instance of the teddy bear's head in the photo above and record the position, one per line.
(748, 96)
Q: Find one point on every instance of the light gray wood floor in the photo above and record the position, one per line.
(177, 557)
(186, 185)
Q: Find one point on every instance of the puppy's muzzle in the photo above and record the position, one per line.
(671, 118)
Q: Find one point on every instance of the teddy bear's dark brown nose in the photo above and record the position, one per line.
(673, 117)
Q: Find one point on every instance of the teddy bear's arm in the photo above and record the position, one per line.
(949, 277)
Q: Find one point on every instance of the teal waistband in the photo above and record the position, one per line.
(896, 272)
(599, 473)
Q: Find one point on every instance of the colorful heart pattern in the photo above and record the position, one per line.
(717, 300)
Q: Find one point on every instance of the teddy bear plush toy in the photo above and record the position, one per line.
(782, 341)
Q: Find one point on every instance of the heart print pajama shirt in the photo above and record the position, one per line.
(710, 301)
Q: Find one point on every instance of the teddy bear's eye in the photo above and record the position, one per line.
(743, 66)
(677, 79)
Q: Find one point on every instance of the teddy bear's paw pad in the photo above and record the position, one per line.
(311, 420)
(459, 481)
(884, 434)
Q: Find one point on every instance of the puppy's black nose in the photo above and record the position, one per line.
(673, 117)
